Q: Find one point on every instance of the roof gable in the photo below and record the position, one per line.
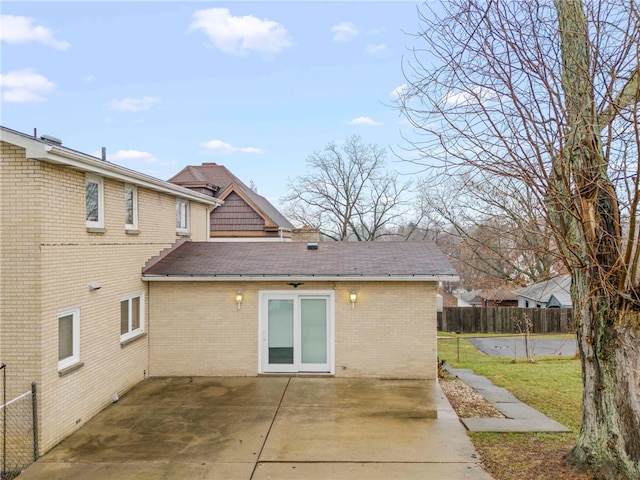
(226, 182)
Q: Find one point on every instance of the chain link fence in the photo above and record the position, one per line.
(18, 434)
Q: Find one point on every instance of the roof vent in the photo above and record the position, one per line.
(312, 246)
(51, 139)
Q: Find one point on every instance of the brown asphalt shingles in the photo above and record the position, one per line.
(331, 259)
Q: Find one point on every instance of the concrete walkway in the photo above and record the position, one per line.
(520, 417)
(269, 428)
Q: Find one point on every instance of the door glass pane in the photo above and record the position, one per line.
(65, 337)
(281, 331)
(313, 330)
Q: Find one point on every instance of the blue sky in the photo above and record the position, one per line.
(254, 86)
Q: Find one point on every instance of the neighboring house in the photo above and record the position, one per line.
(539, 295)
(339, 308)
(467, 298)
(560, 300)
(245, 215)
(497, 297)
(75, 232)
(493, 297)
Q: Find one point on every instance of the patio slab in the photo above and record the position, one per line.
(269, 427)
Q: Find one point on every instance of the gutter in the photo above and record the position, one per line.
(304, 278)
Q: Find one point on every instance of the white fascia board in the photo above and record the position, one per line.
(37, 150)
(313, 278)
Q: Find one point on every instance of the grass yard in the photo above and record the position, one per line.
(552, 385)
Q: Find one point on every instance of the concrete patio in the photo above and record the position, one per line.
(269, 428)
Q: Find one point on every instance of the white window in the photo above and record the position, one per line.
(131, 316)
(68, 338)
(95, 202)
(182, 216)
(130, 207)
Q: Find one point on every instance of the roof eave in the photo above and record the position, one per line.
(306, 278)
(37, 150)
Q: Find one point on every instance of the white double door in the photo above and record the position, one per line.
(296, 331)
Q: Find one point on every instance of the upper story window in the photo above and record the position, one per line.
(68, 338)
(94, 201)
(182, 216)
(130, 207)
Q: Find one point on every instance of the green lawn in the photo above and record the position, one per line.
(552, 385)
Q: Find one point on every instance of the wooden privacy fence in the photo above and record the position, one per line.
(504, 319)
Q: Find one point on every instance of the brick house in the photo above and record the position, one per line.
(103, 267)
(339, 308)
(245, 215)
(74, 313)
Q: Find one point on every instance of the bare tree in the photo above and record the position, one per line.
(547, 92)
(501, 236)
(347, 193)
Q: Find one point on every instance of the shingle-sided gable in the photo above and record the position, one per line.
(331, 260)
(222, 184)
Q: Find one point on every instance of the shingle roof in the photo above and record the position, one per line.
(335, 260)
(542, 291)
(219, 176)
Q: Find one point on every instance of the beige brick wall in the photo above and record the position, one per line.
(48, 259)
(196, 328)
(20, 267)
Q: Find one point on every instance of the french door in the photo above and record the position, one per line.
(296, 332)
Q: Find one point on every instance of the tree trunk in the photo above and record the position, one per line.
(608, 323)
(609, 341)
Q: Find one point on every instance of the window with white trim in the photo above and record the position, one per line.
(131, 316)
(130, 207)
(68, 338)
(94, 196)
(182, 216)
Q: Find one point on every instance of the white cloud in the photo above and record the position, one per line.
(364, 121)
(399, 92)
(25, 86)
(376, 49)
(476, 96)
(218, 146)
(14, 29)
(129, 156)
(129, 104)
(240, 35)
(344, 32)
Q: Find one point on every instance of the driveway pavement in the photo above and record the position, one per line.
(269, 428)
(514, 346)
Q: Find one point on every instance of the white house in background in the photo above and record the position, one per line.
(548, 294)
(467, 298)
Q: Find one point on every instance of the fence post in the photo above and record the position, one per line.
(34, 410)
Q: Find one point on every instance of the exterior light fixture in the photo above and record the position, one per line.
(353, 296)
(239, 299)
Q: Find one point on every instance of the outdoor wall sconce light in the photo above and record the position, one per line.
(239, 299)
(353, 296)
